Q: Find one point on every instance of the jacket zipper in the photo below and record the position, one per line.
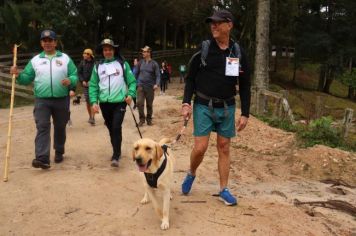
(50, 68)
(109, 88)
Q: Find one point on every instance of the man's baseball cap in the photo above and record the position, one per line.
(108, 42)
(48, 34)
(220, 16)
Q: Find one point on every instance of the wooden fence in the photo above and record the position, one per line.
(27, 91)
(276, 104)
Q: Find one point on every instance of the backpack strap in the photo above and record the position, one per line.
(121, 60)
(204, 51)
(237, 51)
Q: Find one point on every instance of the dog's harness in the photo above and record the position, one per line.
(152, 178)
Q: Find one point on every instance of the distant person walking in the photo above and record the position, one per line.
(135, 71)
(112, 86)
(182, 72)
(164, 78)
(52, 72)
(169, 67)
(148, 80)
(85, 69)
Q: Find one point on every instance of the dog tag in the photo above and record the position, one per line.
(232, 66)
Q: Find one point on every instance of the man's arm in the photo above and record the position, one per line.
(189, 88)
(94, 87)
(157, 73)
(72, 73)
(27, 75)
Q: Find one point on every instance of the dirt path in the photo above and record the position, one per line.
(85, 196)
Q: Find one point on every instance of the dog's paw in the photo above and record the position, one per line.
(144, 200)
(165, 225)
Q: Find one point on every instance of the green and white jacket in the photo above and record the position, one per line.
(111, 83)
(47, 74)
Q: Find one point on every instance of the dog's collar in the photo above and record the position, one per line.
(152, 178)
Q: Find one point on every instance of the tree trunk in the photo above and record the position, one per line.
(322, 77)
(351, 93)
(185, 37)
(137, 33)
(329, 80)
(262, 51)
(143, 31)
(295, 65)
(276, 57)
(176, 29)
(164, 36)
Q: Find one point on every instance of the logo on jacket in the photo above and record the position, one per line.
(117, 72)
(103, 72)
(59, 63)
(43, 63)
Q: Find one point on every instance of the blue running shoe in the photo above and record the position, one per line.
(227, 198)
(187, 183)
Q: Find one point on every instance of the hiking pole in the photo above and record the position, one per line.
(133, 115)
(8, 144)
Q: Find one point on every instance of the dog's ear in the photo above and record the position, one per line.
(159, 151)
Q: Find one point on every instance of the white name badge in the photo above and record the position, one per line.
(232, 67)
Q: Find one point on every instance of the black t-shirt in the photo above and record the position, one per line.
(211, 80)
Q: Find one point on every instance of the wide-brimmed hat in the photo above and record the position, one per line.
(89, 52)
(48, 34)
(108, 42)
(220, 16)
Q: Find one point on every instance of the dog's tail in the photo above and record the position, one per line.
(165, 141)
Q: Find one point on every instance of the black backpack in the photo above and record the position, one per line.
(236, 51)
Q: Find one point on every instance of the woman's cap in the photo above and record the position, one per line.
(89, 52)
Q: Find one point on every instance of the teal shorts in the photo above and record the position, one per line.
(204, 122)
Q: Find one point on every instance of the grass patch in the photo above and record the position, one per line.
(339, 89)
(319, 131)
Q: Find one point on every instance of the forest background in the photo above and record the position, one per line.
(309, 44)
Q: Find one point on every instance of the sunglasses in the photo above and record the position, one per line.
(86, 53)
(145, 51)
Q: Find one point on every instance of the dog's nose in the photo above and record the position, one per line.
(138, 160)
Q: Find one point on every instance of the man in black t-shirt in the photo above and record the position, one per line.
(213, 80)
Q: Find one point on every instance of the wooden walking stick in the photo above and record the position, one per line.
(8, 144)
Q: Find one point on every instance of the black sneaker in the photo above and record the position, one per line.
(115, 163)
(40, 164)
(149, 122)
(141, 123)
(91, 121)
(58, 158)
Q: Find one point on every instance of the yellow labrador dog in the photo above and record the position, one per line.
(156, 162)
